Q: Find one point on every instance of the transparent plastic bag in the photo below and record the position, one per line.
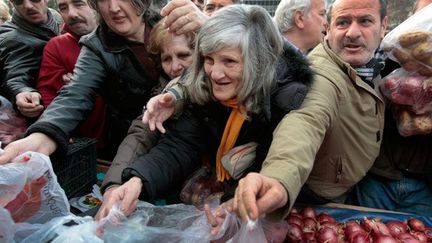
(410, 43)
(413, 90)
(29, 189)
(201, 188)
(12, 125)
(409, 123)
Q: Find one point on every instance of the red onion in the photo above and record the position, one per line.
(420, 236)
(294, 233)
(309, 224)
(351, 227)
(416, 225)
(295, 220)
(331, 225)
(407, 238)
(308, 237)
(359, 237)
(428, 233)
(384, 239)
(325, 217)
(308, 212)
(327, 235)
(375, 226)
(396, 227)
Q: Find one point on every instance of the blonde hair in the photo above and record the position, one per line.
(4, 11)
(159, 35)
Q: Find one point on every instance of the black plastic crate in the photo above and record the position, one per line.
(76, 173)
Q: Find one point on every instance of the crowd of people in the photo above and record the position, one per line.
(280, 110)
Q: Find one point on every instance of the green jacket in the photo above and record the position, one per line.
(333, 139)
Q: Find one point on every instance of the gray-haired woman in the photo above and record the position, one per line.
(241, 83)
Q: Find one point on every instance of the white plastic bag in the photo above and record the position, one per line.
(410, 43)
(12, 125)
(29, 189)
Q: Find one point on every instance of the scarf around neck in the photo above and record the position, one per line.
(372, 69)
(230, 135)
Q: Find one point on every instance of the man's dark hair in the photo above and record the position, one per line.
(383, 10)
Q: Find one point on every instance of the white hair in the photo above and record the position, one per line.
(284, 15)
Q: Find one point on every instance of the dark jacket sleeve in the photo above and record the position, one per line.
(169, 163)
(139, 141)
(75, 100)
(20, 67)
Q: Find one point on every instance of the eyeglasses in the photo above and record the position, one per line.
(19, 2)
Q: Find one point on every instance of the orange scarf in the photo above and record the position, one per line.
(231, 132)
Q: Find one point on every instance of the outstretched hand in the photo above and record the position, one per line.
(36, 142)
(126, 195)
(158, 109)
(257, 195)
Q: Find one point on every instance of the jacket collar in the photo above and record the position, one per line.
(45, 31)
(350, 71)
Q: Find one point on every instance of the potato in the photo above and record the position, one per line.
(422, 51)
(411, 66)
(414, 37)
(422, 124)
(401, 55)
(425, 71)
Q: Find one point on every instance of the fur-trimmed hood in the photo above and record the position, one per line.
(293, 79)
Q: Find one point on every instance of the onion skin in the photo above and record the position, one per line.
(384, 239)
(309, 212)
(310, 224)
(397, 227)
(326, 235)
(355, 233)
(416, 225)
(295, 220)
(308, 237)
(407, 238)
(294, 233)
(359, 237)
(325, 217)
(420, 236)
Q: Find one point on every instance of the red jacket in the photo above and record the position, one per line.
(59, 57)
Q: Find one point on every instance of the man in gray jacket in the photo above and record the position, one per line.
(21, 44)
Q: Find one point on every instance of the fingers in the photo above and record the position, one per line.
(182, 16)
(175, 4)
(67, 77)
(28, 103)
(11, 151)
(160, 127)
(275, 196)
(168, 99)
(245, 201)
(210, 217)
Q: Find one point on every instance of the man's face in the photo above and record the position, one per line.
(78, 16)
(214, 5)
(315, 24)
(33, 11)
(356, 30)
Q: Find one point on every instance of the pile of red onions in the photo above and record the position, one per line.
(307, 226)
